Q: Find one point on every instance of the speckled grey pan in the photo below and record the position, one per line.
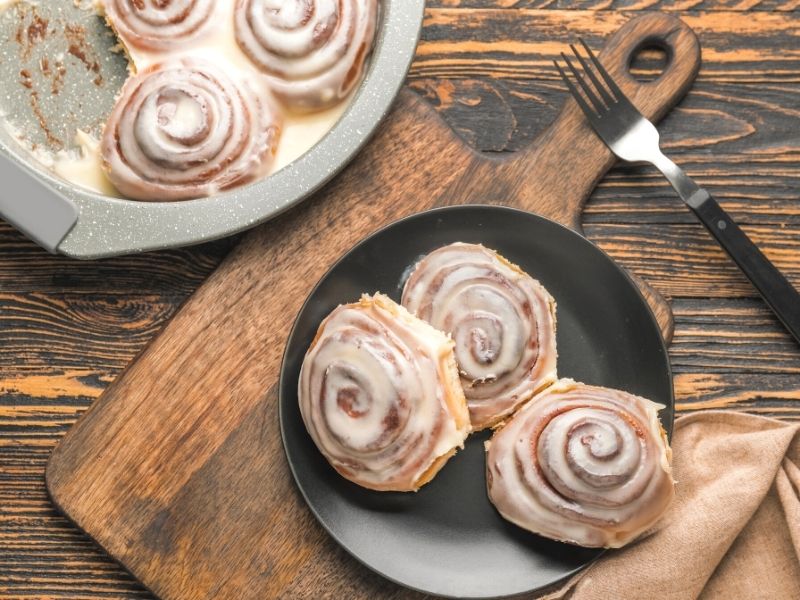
(107, 227)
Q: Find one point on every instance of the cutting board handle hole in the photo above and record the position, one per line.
(649, 60)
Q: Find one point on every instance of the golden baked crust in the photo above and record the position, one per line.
(398, 439)
(502, 320)
(582, 464)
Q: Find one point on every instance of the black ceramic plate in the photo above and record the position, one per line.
(447, 539)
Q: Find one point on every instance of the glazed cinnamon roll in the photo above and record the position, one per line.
(185, 129)
(502, 320)
(582, 464)
(312, 51)
(380, 397)
(159, 24)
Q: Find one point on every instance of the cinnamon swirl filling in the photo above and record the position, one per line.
(502, 321)
(312, 51)
(379, 395)
(185, 129)
(159, 24)
(582, 464)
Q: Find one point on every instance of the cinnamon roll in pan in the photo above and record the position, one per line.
(163, 25)
(305, 56)
(503, 323)
(312, 51)
(184, 129)
(379, 395)
(582, 464)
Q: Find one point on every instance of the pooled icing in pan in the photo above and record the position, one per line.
(154, 33)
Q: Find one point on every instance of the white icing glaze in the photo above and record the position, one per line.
(502, 320)
(379, 396)
(83, 166)
(185, 129)
(215, 43)
(4, 4)
(161, 24)
(582, 464)
(311, 51)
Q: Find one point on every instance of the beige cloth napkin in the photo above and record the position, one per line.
(733, 530)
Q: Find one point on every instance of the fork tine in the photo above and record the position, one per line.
(598, 105)
(588, 111)
(607, 98)
(613, 86)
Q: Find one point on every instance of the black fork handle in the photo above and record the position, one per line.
(773, 286)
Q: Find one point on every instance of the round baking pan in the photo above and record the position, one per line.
(447, 539)
(107, 226)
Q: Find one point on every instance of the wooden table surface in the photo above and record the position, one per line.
(67, 329)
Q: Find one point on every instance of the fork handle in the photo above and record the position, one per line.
(773, 286)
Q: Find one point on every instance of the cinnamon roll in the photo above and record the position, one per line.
(582, 464)
(184, 129)
(159, 24)
(502, 320)
(312, 51)
(380, 397)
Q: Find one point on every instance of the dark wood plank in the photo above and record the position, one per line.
(738, 337)
(774, 396)
(119, 325)
(682, 260)
(166, 470)
(730, 125)
(736, 132)
(506, 44)
(25, 268)
(606, 5)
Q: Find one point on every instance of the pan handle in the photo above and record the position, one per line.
(40, 212)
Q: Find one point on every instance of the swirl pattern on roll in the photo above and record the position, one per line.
(159, 24)
(184, 129)
(312, 51)
(379, 395)
(502, 321)
(582, 464)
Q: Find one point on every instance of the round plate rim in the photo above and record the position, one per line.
(668, 427)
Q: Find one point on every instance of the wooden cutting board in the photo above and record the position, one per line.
(178, 470)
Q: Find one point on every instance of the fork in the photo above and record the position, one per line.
(633, 138)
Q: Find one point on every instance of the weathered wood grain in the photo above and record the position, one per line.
(763, 47)
(682, 260)
(166, 470)
(738, 337)
(729, 125)
(775, 395)
(736, 131)
(25, 268)
(598, 5)
(57, 320)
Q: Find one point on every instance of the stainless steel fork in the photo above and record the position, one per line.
(635, 139)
